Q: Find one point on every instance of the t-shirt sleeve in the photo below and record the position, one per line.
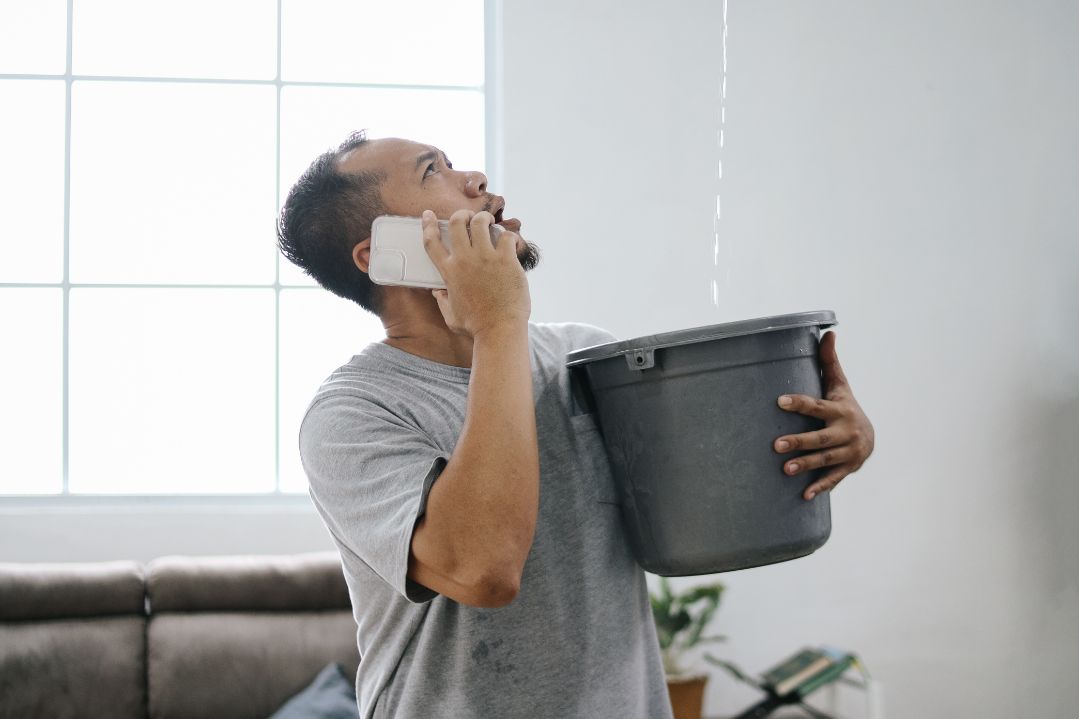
(587, 335)
(369, 475)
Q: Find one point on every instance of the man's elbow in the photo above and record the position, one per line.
(495, 579)
(496, 589)
(471, 575)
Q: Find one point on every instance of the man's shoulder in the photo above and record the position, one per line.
(360, 389)
(573, 335)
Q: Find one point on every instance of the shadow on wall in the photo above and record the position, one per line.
(1049, 481)
(1052, 492)
(1049, 489)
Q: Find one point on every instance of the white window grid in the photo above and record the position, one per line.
(491, 90)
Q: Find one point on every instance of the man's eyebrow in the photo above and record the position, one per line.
(425, 157)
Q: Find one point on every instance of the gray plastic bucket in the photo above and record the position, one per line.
(689, 420)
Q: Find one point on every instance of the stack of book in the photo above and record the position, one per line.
(806, 671)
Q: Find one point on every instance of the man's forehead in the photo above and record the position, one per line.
(388, 154)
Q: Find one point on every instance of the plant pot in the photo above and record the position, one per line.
(687, 695)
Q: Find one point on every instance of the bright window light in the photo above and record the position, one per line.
(195, 38)
(32, 181)
(439, 42)
(33, 36)
(171, 390)
(31, 384)
(154, 340)
(169, 183)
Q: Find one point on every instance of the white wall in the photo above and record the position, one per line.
(48, 532)
(913, 167)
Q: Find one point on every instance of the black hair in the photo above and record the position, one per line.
(326, 214)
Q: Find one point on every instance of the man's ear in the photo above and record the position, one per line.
(361, 254)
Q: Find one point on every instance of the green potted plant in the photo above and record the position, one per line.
(680, 622)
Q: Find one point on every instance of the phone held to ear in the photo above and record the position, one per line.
(398, 256)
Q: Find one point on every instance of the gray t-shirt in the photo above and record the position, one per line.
(577, 641)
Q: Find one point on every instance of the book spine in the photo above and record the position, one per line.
(830, 674)
(791, 682)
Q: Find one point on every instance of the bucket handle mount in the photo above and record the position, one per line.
(641, 359)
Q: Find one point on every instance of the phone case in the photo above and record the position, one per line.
(398, 256)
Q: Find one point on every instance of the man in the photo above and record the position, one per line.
(472, 504)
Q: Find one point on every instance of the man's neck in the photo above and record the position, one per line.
(456, 351)
(417, 326)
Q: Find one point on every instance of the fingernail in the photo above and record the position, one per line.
(794, 467)
(782, 445)
(785, 401)
(811, 495)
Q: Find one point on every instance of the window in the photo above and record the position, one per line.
(152, 339)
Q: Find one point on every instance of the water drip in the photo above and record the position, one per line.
(720, 138)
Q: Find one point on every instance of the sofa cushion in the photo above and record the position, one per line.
(294, 582)
(331, 695)
(241, 665)
(64, 590)
(68, 668)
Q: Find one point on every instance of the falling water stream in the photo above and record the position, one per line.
(719, 175)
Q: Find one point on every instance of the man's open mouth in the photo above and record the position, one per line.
(497, 208)
(510, 223)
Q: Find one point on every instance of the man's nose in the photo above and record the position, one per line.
(475, 184)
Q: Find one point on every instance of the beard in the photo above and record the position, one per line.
(529, 255)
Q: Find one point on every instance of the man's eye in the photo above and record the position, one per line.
(430, 170)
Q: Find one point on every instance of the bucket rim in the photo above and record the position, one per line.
(821, 318)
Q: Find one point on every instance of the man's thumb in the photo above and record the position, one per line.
(441, 297)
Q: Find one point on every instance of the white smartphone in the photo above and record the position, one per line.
(398, 256)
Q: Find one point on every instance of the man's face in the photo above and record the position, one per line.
(420, 177)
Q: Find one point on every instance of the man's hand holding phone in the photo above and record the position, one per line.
(486, 287)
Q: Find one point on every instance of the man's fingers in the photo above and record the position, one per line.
(831, 371)
(480, 229)
(459, 239)
(826, 483)
(827, 458)
(811, 406)
(432, 239)
(827, 437)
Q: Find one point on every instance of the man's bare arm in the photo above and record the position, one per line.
(472, 542)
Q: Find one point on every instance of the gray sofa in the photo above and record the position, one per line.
(176, 638)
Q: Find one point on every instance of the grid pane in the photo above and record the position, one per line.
(319, 333)
(172, 183)
(171, 391)
(196, 38)
(33, 37)
(427, 42)
(32, 181)
(315, 119)
(31, 385)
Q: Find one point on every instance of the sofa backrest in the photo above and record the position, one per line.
(237, 636)
(178, 637)
(72, 640)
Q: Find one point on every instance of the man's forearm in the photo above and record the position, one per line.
(492, 478)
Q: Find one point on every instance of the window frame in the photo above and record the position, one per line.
(275, 500)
